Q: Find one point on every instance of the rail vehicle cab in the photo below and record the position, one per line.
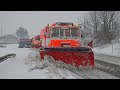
(61, 34)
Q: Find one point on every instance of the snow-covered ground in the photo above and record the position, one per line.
(20, 67)
(23, 66)
(112, 50)
(10, 48)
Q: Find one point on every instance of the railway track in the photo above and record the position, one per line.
(102, 70)
(110, 68)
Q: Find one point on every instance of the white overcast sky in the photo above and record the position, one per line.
(34, 21)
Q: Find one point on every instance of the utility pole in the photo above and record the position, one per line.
(1, 31)
(112, 46)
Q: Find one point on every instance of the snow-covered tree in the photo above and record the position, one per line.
(22, 33)
(104, 25)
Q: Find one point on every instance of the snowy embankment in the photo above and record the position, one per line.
(112, 50)
(10, 48)
(23, 66)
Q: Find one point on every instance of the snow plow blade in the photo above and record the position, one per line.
(77, 56)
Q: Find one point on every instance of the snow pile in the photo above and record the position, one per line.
(27, 65)
(53, 71)
(10, 48)
(112, 50)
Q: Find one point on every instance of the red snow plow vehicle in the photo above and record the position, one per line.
(62, 41)
(36, 42)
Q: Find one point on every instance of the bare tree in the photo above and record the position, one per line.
(104, 25)
(91, 22)
(22, 33)
(109, 24)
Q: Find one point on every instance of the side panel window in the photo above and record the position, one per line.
(61, 32)
(55, 32)
(67, 32)
(75, 32)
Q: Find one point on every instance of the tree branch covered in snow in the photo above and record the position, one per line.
(104, 25)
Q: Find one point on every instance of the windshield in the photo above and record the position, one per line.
(55, 32)
(65, 32)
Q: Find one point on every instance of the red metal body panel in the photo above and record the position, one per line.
(56, 41)
(43, 37)
(79, 58)
(61, 43)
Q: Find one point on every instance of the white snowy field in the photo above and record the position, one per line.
(112, 50)
(10, 48)
(23, 67)
(19, 67)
